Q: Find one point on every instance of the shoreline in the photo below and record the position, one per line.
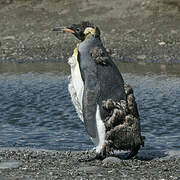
(25, 163)
(65, 59)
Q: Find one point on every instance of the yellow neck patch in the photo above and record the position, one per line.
(75, 54)
(89, 31)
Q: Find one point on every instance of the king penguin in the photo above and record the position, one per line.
(104, 103)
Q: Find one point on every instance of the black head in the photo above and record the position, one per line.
(81, 31)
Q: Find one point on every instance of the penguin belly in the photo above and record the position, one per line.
(76, 86)
(101, 131)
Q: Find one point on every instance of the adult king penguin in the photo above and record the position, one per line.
(103, 102)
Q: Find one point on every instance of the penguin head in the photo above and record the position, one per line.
(81, 31)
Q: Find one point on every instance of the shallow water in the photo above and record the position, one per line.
(36, 109)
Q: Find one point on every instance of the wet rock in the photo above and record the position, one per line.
(174, 31)
(9, 38)
(10, 164)
(89, 169)
(111, 161)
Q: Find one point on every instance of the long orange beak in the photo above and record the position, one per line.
(64, 29)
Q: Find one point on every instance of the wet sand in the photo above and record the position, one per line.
(135, 30)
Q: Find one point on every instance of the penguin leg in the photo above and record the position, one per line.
(105, 150)
(136, 149)
(93, 155)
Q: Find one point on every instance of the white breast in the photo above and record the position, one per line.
(76, 86)
(100, 139)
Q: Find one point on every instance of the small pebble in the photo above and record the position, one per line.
(162, 43)
(9, 38)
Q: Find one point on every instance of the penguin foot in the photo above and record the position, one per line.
(133, 153)
(93, 155)
(105, 151)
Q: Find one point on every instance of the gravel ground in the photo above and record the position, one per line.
(27, 164)
(135, 30)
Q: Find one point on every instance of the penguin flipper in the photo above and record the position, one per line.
(90, 106)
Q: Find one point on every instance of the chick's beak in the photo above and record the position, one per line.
(64, 29)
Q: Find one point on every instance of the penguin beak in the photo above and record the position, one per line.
(64, 29)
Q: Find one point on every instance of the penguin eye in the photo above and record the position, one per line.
(77, 29)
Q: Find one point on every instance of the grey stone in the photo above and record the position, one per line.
(10, 164)
(111, 161)
(9, 38)
(89, 169)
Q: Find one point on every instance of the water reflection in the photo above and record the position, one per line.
(63, 67)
